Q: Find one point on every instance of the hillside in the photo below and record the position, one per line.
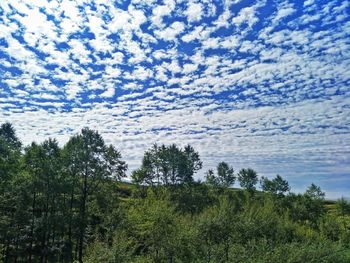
(70, 204)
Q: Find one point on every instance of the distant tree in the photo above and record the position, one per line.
(211, 178)
(225, 176)
(192, 163)
(313, 202)
(248, 178)
(314, 192)
(343, 207)
(168, 165)
(277, 185)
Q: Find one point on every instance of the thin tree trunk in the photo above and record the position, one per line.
(32, 228)
(83, 219)
(70, 242)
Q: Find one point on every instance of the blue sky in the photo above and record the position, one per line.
(261, 84)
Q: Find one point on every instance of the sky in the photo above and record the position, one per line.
(261, 84)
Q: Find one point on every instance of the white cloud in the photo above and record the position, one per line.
(292, 133)
(194, 12)
(79, 51)
(188, 68)
(160, 11)
(282, 13)
(109, 93)
(208, 83)
(170, 33)
(308, 2)
(246, 15)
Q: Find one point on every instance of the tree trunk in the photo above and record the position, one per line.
(83, 219)
(70, 242)
(32, 228)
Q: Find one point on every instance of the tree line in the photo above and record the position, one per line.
(69, 204)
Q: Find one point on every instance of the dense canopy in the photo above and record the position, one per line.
(70, 204)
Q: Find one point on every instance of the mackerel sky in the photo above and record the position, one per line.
(261, 84)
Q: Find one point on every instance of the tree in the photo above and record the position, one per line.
(314, 204)
(93, 162)
(314, 192)
(168, 165)
(8, 135)
(225, 176)
(154, 226)
(277, 186)
(343, 207)
(43, 163)
(10, 197)
(248, 178)
(216, 226)
(191, 163)
(10, 148)
(211, 178)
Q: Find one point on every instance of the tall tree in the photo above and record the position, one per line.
(93, 162)
(43, 163)
(10, 168)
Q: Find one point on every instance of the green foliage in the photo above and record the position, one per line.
(68, 205)
(343, 207)
(248, 178)
(314, 192)
(168, 165)
(277, 186)
(225, 176)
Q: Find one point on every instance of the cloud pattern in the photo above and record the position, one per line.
(259, 83)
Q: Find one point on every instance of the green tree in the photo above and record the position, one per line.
(43, 164)
(248, 178)
(277, 186)
(211, 178)
(315, 192)
(216, 231)
(93, 162)
(153, 224)
(10, 152)
(168, 165)
(313, 202)
(343, 207)
(10, 199)
(225, 176)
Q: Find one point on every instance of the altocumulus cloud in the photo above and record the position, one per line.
(262, 83)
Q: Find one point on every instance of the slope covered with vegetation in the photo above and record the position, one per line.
(66, 204)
